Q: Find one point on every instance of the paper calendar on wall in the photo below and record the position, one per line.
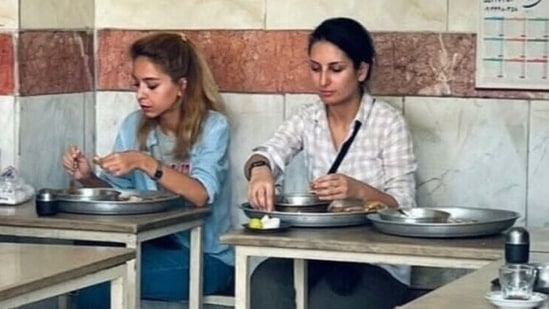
(513, 44)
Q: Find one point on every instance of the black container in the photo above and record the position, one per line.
(46, 203)
(517, 246)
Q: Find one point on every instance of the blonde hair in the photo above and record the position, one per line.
(179, 58)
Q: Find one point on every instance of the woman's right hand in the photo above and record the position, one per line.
(76, 164)
(261, 189)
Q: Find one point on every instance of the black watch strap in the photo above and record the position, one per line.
(259, 163)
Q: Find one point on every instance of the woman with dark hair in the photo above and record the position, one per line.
(178, 141)
(355, 147)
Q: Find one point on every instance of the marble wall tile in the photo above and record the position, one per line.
(9, 14)
(57, 14)
(177, 14)
(251, 61)
(7, 76)
(470, 153)
(463, 15)
(253, 118)
(49, 124)
(396, 15)
(538, 164)
(8, 134)
(241, 61)
(111, 109)
(55, 62)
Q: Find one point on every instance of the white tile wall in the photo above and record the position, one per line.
(378, 15)
(254, 118)
(463, 15)
(57, 14)
(8, 141)
(179, 14)
(110, 109)
(470, 152)
(49, 124)
(9, 14)
(538, 164)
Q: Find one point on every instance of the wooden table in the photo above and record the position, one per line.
(467, 291)
(354, 244)
(34, 272)
(130, 230)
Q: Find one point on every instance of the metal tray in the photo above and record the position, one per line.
(463, 222)
(310, 219)
(129, 202)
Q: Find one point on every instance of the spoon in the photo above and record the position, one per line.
(404, 212)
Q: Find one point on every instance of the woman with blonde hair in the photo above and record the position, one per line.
(177, 141)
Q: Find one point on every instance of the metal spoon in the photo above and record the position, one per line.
(404, 212)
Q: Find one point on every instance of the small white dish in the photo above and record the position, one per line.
(496, 298)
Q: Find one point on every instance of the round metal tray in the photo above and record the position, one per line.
(310, 219)
(130, 202)
(463, 222)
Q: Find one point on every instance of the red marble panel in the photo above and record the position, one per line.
(7, 79)
(241, 61)
(55, 62)
(255, 61)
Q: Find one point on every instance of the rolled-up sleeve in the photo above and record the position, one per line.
(210, 157)
(285, 144)
(399, 163)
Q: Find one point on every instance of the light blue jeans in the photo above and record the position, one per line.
(164, 276)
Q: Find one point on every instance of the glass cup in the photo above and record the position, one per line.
(517, 280)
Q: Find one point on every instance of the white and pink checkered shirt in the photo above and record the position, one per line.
(381, 155)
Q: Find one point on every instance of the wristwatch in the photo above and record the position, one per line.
(259, 163)
(254, 165)
(159, 172)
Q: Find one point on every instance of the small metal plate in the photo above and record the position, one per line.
(463, 222)
(129, 202)
(310, 219)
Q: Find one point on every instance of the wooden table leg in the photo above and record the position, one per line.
(300, 283)
(133, 281)
(118, 291)
(242, 284)
(196, 269)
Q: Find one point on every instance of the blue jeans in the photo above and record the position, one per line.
(164, 276)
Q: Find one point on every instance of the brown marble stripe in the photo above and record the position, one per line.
(254, 61)
(55, 62)
(242, 61)
(7, 79)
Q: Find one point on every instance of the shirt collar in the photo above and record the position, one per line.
(366, 104)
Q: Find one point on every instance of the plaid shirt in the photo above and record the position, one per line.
(381, 154)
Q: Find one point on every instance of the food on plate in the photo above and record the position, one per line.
(264, 223)
(369, 206)
(374, 206)
(255, 223)
(270, 223)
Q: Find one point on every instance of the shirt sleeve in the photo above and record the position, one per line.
(285, 144)
(210, 157)
(399, 163)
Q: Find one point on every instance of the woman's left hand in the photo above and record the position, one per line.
(119, 163)
(337, 187)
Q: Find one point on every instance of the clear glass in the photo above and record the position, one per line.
(517, 280)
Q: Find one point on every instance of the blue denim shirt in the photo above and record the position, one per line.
(209, 159)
